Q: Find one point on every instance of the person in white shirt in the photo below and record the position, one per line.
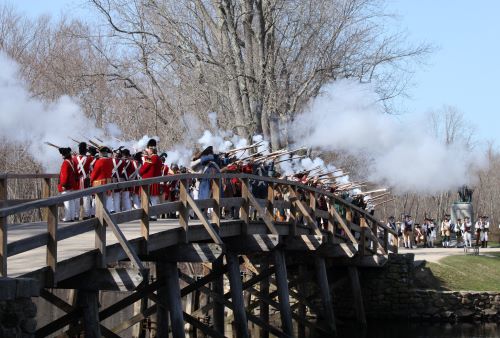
(467, 232)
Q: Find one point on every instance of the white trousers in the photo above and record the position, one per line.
(484, 236)
(136, 201)
(116, 201)
(69, 208)
(87, 207)
(467, 239)
(154, 201)
(126, 202)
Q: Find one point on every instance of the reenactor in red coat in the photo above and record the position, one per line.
(151, 167)
(128, 173)
(82, 163)
(165, 171)
(117, 176)
(101, 174)
(67, 183)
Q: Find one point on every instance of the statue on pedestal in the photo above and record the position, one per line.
(465, 194)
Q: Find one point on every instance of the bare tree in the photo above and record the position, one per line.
(255, 62)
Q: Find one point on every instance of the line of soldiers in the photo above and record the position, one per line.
(94, 166)
(426, 233)
(98, 165)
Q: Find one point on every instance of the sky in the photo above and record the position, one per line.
(461, 72)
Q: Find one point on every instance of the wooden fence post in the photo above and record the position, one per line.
(3, 189)
(184, 209)
(245, 207)
(216, 193)
(3, 246)
(293, 213)
(145, 198)
(270, 199)
(52, 224)
(100, 230)
(45, 194)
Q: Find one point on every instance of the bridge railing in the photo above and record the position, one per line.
(342, 220)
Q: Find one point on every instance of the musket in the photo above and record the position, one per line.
(387, 201)
(372, 191)
(290, 159)
(94, 144)
(280, 152)
(250, 156)
(379, 196)
(72, 139)
(52, 145)
(244, 148)
(98, 139)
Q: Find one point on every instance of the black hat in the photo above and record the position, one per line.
(65, 151)
(407, 215)
(104, 149)
(207, 151)
(163, 155)
(138, 156)
(126, 152)
(118, 151)
(92, 150)
(82, 148)
(391, 217)
(151, 143)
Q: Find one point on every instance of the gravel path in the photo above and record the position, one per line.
(435, 254)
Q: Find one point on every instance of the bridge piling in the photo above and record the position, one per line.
(283, 294)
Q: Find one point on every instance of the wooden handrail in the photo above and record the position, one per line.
(309, 212)
(122, 185)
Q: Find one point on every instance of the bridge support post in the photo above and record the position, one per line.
(174, 298)
(264, 292)
(301, 329)
(161, 307)
(88, 301)
(218, 288)
(324, 290)
(358, 297)
(240, 315)
(283, 294)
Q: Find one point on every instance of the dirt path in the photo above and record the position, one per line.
(435, 254)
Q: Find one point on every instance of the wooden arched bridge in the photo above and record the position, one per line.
(126, 251)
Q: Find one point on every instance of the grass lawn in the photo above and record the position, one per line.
(467, 272)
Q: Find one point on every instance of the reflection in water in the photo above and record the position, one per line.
(420, 330)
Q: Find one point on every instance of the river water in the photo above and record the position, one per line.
(400, 329)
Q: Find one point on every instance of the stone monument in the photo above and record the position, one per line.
(463, 207)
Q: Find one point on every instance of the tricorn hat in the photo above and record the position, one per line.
(207, 151)
(104, 149)
(82, 148)
(92, 150)
(151, 143)
(126, 152)
(65, 151)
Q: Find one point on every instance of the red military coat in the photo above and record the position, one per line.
(149, 169)
(82, 166)
(67, 176)
(101, 174)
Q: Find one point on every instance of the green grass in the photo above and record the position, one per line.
(467, 272)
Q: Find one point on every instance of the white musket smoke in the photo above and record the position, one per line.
(348, 117)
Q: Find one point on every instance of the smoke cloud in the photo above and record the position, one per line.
(347, 117)
(30, 121)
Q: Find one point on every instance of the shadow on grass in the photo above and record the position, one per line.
(425, 279)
